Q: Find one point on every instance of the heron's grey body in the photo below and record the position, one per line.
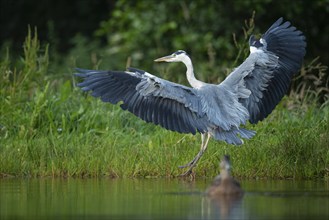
(249, 93)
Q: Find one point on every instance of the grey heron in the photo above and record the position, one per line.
(249, 93)
(224, 183)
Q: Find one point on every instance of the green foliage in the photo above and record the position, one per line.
(134, 28)
(312, 84)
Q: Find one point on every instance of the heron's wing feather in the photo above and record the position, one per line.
(264, 77)
(173, 106)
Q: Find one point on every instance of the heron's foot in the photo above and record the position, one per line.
(193, 162)
(190, 167)
(189, 164)
(187, 173)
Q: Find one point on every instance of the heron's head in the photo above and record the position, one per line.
(225, 163)
(178, 56)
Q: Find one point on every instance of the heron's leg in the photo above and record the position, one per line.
(203, 136)
(198, 156)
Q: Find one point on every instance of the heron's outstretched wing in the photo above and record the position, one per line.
(173, 106)
(268, 70)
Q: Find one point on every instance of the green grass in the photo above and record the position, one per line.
(50, 128)
(107, 141)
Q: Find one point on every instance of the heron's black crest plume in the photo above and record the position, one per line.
(180, 52)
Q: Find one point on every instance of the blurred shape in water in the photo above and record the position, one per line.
(224, 183)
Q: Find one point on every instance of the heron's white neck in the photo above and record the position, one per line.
(190, 73)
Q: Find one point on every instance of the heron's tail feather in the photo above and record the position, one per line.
(244, 133)
(233, 136)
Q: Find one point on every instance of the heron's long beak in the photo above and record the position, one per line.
(164, 59)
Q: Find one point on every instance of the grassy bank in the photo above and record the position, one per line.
(48, 127)
(288, 145)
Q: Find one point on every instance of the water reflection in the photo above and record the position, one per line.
(158, 199)
(225, 207)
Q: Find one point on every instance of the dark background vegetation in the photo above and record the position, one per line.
(157, 24)
(107, 34)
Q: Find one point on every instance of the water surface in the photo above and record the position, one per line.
(159, 199)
